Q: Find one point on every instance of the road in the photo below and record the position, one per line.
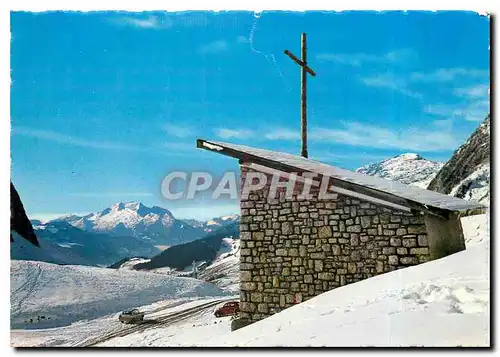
(148, 324)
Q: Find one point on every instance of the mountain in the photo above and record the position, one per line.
(156, 224)
(410, 169)
(467, 173)
(214, 223)
(62, 243)
(202, 250)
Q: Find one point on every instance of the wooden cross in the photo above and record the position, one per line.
(303, 95)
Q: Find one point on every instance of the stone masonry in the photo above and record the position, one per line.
(294, 249)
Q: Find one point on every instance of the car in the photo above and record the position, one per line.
(131, 316)
(229, 308)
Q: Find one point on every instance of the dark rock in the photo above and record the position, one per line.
(19, 221)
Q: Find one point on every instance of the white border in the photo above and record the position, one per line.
(480, 6)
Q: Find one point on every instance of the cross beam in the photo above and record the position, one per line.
(303, 95)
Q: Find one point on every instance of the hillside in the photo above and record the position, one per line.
(201, 250)
(467, 173)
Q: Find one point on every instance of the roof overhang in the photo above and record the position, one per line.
(346, 186)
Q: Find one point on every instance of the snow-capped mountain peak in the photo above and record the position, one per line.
(155, 223)
(409, 168)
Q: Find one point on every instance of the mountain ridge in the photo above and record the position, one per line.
(467, 174)
(135, 219)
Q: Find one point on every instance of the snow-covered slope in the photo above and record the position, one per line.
(410, 169)
(476, 186)
(155, 224)
(224, 271)
(440, 303)
(182, 256)
(70, 293)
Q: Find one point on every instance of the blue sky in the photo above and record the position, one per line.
(105, 104)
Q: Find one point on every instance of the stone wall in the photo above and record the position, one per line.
(293, 250)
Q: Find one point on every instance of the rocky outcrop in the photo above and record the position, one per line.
(468, 168)
(19, 221)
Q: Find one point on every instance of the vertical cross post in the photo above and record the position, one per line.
(304, 69)
(303, 98)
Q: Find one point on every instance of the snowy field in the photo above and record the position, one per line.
(441, 303)
(66, 294)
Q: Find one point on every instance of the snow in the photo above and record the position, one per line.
(440, 303)
(70, 293)
(129, 264)
(224, 271)
(120, 216)
(83, 333)
(410, 169)
(476, 186)
(444, 302)
(212, 147)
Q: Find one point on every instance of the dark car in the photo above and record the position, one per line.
(228, 309)
(131, 316)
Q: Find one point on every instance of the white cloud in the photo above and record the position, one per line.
(358, 59)
(53, 136)
(214, 47)
(178, 131)
(448, 74)
(282, 134)
(473, 111)
(343, 158)
(434, 137)
(225, 133)
(366, 135)
(149, 22)
(477, 91)
(391, 82)
(475, 107)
